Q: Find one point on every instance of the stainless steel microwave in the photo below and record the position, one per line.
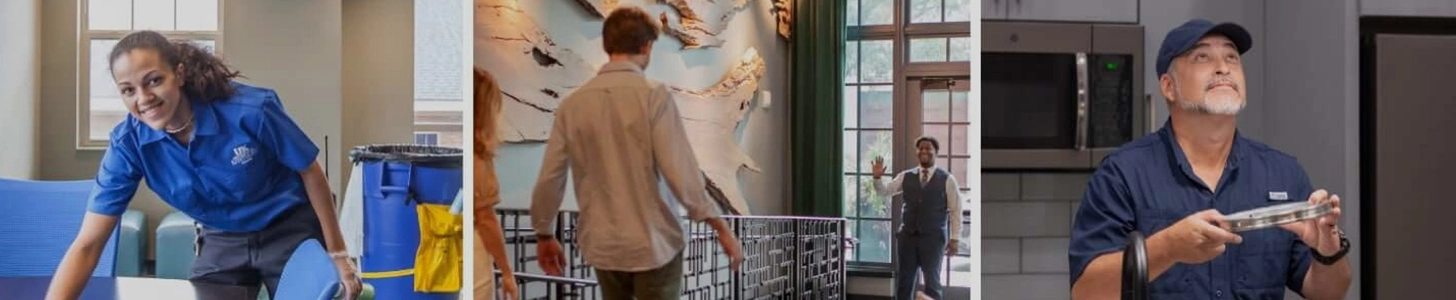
(1059, 95)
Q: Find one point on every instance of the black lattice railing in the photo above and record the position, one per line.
(554, 287)
(784, 258)
(821, 249)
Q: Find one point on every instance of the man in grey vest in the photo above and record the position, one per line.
(931, 201)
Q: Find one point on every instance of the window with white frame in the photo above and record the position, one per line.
(102, 24)
(885, 53)
(439, 65)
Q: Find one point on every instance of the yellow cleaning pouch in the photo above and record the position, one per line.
(438, 264)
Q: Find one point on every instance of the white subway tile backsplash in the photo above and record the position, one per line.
(1000, 256)
(1040, 286)
(1053, 186)
(1000, 186)
(1033, 219)
(1026, 221)
(1044, 255)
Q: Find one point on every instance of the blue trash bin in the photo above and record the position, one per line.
(396, 179)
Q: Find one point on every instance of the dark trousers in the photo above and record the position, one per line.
(657, 284)
(922, 254)
(232, 265)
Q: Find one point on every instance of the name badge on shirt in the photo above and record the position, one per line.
(1279, 196)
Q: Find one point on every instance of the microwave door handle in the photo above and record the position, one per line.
(1082, 95)
(1148, 106)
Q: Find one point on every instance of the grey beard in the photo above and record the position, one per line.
(1216, 107)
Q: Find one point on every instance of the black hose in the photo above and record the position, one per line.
(1135, 268)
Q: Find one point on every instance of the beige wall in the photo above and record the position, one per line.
(291, 46)
(294, 47)
(378, 74)
(19, 86)
(59, 159)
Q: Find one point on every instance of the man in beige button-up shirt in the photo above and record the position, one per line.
(618, 134)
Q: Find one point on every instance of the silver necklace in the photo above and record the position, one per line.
(180, 129)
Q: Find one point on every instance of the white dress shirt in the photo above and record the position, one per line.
(618, 133)
(952, 196)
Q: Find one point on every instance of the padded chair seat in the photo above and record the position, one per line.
(131, 249)
(176, 235)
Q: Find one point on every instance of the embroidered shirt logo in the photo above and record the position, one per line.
(243, 154)
(1281, 196)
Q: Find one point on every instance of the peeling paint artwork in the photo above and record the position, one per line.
(783, 10)
(711, 116)
(535, 73)
(702, 21)
(600, 8)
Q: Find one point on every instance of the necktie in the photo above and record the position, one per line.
(924, 176)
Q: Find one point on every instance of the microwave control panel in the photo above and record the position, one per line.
(1110, 103)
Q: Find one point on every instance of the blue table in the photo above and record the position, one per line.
(101, 288)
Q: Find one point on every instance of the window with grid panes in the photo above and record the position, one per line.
(102, 24)
(946, 117)
(877, 55)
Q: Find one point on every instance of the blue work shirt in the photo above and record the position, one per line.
(1148, 185)
(239, 172)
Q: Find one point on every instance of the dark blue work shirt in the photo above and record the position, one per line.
(1148, 185)
(240, 171)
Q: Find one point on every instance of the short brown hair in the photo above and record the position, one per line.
(627, 30)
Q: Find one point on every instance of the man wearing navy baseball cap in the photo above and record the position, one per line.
(1175, 185)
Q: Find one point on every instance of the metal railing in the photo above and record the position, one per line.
(554, 287)
(784, 258)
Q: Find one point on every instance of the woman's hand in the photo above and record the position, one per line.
(320, 197)
(81, 257)
(348, 278)
(508, 285)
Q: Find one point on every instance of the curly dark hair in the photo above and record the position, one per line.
(207, 78)
(933, 143)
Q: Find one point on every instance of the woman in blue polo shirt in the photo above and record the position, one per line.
(224, 153)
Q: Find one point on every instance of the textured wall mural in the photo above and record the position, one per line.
(712, 115)
(599, 8)
(784, 12)
(536, 74)
(702, 22)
